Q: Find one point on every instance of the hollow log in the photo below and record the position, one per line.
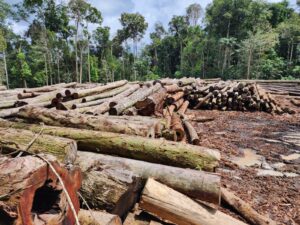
(77, 120)
(103, 108)
(172, 206)
(245, 209)
(98, 89)
(107, 187)
(150, 150)
(17, 140)
(196, 184)
(92, 217)
(31, 193)
(133, 99)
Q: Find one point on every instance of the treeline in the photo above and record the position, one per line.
(249, 39)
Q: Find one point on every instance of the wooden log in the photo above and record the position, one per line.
(176, 125)
(77, 120)
(192, 133)
(92, 217)
(90, 103)
(107, 187)
(103, 108)
(3, 88)
(295, 102)
(173, 98)
(133, 219)
(196, 184)
(7, 104)
(132, 111)
(172, 206)
(17, 140)
(28, 95)
(32, 194)
(50, 88)
(183, 108)
(172, 88)
(150, 150)
(245, 209)
(99, 89)
(133, 99)
(186, 81)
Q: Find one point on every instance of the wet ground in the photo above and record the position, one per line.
(260, 159)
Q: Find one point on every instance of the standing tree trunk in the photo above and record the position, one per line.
(58, 76)
(5, 68)
(46, 70)
(76, 50)
(249, 63)
(81, 61)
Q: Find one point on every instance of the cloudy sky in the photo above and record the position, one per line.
(153, 10)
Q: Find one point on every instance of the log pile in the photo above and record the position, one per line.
(140, 156)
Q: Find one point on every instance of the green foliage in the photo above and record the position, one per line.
(21, 68)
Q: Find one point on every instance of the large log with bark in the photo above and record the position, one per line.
(18, 140)
(150, 150)
(3, 88)
(50, 88)
(92, 217)
(31, 193)
(133, 99)
(172, 206)
(102, 123)
(107, 187)
(196, 184)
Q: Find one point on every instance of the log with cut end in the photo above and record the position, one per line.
(192, 133)
(90, 103)
(98, 89)
(92, 217)
(107, 187)
(150, 150)
(31, 193)
(175, 97)
(101, 123)
(17, 140)
(28, 95)
(196, 184)
(50, 88)
(176, 125)
(103, 108)
(172, 206)
(245, 209)
(133, 99)
(186, 81)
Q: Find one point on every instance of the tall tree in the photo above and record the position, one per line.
(193, 13)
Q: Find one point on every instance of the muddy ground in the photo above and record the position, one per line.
(268, 137)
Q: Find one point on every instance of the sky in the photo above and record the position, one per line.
(152, 10)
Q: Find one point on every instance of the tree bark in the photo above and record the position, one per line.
(150, 150)
(5, 69)
(196, 184)
(176, 125)
(106, 187)
(31, 194)
(16, 139)
(192, 133)
(172, 206)
(92, 217)
(50, 88)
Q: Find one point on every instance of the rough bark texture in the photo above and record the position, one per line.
(50, 88)
(172, 206)
(245, 209)
(107, 187)
(31, 193)
(196, 184)
(192, 133)
(92, 217)
(16, 139)
(151, 150)
(176, 125)
(77, 120)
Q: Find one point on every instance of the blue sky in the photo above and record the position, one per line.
(153, 10)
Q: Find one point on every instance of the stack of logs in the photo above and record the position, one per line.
(50, 132)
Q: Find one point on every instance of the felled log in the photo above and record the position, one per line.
(133, 99)
(98, 89)
(175, 97)
(132, 111)
(28, 95)
(172, 206)
(196, 184)
(152, 104)
(77, 120)
(17, 140)
(31, 193)
(296, 103)
(245, 209)
(172, 88)
(3, 88)
(103, 108)
(7, 104)
(183, 108)
(89, 103)
(107, 187)
(192, 133)
(92, 217)
(150, 150)
(176, 125)
(50, 88)
(186, 81)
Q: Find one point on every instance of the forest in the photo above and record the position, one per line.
(230, 39)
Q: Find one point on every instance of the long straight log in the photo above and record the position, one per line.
(192, 133)
(150, 150)
(7, 104)
(176, 125)
(31, 194)
(172, 206)
(196, 184)
(133, 99)
(17, 140)
(50, 88)
(90, 103)
(92, 217)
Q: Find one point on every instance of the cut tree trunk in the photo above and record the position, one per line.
(196, 184)
(175, 97)
(192, 133)
(31, 193)
(183, 108)
(107, 187)
(150, 150)
(92, 217)
(50, 88)
(176, 125)
(245, 209)
(100, 123)
(133, 99)
(90, 103)
(172, 206)
(17, 140)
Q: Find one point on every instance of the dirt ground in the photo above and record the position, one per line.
(270, 138)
